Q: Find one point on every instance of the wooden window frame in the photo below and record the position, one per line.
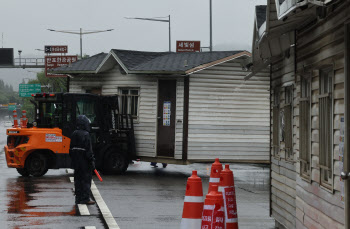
(276, 123)
(128, 97)
(305, 119)
(288, 122)
(326, 132)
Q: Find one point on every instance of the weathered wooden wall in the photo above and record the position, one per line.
(320, 45)
(228, 117)
(283, 169)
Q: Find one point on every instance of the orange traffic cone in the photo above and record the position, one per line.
(193, 204)
(15, 121)
(227, 187)
(214, 213)
(216, 168)
(24, 120)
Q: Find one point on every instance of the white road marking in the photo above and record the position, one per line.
(107, 215)
(69, 171)
(83, 210)
(71, 179)
(90, 227)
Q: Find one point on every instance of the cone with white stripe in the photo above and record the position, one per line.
(214, 212)
(214, 179)
(193, 204)
(227, 187)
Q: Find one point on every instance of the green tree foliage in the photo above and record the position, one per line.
(7, 95)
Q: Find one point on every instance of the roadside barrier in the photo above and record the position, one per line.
(214, 179)
(24, 119)
(227, 187)
(15, 121)
(213, 213)
(193, 203)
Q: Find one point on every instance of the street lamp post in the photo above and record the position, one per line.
(19, 54)
(159, 19)
(81, 33)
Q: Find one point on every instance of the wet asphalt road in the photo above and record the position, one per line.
(143, 198)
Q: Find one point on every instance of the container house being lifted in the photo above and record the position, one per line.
(187, 107)
(305, 45)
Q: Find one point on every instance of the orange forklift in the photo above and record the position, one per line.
(33, 148)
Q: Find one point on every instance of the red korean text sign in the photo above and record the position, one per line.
(188, 46)
(56, 49)
(58, 61)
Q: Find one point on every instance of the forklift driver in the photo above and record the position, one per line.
(83, 161)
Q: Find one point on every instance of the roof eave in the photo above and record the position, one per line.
(157, 72)
(119, 61)
(220, 61)
(72, 72)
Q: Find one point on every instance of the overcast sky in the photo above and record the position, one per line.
(24, 25)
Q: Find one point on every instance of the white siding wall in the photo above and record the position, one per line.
(228, 117)
(146, 126)
(179, 117)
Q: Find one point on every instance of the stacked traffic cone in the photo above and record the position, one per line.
(15, 121)
(24, 119)
(193, 204)
(227, 187)
(214, 179)
(214, 213)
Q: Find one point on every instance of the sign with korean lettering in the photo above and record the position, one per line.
(11, 107)
(26, 90)
(166, 113)
(229, 194)
(56, 48)
(188, 46)
(58, 61)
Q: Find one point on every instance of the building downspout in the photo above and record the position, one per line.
(185, 117)
(347, 125)
(270, 189)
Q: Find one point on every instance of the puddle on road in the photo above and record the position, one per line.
(21, 191)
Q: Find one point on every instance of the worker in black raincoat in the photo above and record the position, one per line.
(83, 161)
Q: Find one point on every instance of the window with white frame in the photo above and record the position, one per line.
(305, 127)
(129, 101)
(325, 126)
(276, 123)
(288, 121)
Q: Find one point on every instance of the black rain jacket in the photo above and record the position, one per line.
(80, 146)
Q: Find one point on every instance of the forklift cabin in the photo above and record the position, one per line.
(112, 133)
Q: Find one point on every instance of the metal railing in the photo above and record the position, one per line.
(37, 62)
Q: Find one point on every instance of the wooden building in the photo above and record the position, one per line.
(305, 45)
(187, 107)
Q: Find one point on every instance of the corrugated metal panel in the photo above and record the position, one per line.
(228, 117)
(179, 117)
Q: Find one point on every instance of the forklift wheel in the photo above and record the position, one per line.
(37, 165)
(116, 163)
(24, 172)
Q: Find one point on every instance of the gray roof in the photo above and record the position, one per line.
(147, 62)
(168, 61)
(260, 15)
(86, 64)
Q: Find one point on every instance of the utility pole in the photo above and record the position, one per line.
(81, 33)
(159, 19)
(211, 26)
(2, 40)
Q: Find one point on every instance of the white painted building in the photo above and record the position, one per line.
(187, 106)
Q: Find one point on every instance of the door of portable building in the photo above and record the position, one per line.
(166, 115)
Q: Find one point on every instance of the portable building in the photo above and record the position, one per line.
(187, 107)
(305, 45)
